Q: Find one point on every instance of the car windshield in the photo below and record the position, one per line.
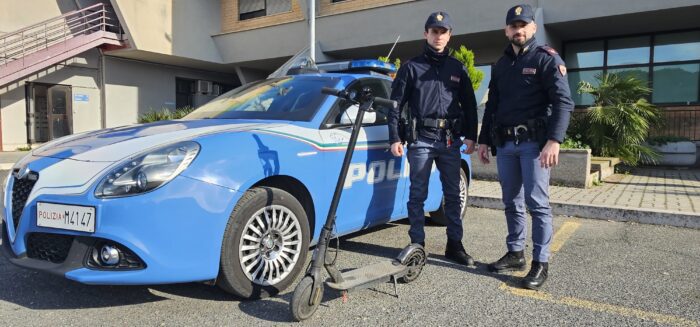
(286, 98)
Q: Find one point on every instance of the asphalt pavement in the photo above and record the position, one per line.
(602, 273)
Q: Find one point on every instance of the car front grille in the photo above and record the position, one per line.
(49, 247)
(20, 192)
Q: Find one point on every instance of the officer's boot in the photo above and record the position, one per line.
(512, 261)
(455, 252)
(537, 275)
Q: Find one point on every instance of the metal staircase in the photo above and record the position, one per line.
(31, 49)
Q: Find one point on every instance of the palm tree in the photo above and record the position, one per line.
(620, 118)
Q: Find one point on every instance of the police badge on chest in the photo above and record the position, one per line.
(529, 71)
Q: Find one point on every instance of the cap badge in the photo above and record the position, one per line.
(518, 11)
(439, 17)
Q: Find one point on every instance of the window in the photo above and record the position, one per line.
(248, 9)
(576, 77)
(628, 51)
(677, 47)
(676, 83)
(184, 92)
(288, 98)
(585, 54)
(669, 62)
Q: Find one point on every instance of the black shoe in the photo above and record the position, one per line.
(512, 261)
(455, 252)
(537, 275)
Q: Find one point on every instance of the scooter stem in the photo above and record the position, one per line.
(319, 257)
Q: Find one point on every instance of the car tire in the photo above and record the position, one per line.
(438, 216)
(265, 244)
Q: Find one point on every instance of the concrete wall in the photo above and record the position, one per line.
(17, 14)
(570, 10)
(362, 29)
(574, 168)
(80, 72)
(133, 88)
(172, 27)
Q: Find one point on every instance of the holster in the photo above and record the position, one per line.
(539, 125)
(407, 129)
(497, 138)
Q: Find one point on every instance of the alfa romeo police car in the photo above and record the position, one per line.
(232, 194)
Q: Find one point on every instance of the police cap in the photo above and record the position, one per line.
(438, 19)
(522, 13)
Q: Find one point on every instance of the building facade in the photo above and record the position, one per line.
(177, 53)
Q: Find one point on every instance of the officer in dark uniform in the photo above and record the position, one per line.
(442, 109)
(526, 117)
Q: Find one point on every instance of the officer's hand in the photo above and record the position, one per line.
(484, 154)
(397, 149)
(549, 157)
(470, 146)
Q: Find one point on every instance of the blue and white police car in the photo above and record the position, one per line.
(232, 194)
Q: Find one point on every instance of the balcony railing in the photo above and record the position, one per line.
(21, 43)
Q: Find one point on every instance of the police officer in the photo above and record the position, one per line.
(526, 117)
(437, 89)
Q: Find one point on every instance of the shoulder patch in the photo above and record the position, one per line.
(548, 50)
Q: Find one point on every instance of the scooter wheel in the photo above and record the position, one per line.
(302, 304)
(415, 262)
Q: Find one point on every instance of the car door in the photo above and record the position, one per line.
(373, 192)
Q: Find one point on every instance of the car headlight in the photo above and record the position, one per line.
(148, 171)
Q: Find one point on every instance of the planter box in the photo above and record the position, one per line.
(574, 168)
(676, 153)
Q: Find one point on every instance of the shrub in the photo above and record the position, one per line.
(619, 120)
(164, 114)
(466, 56)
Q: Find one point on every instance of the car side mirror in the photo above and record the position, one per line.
(348, 116)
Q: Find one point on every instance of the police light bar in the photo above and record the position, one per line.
(358, 66)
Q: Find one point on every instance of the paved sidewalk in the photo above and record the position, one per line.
(8, 158)
(655, 196)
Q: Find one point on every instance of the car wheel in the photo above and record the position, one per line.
(438, 216)
(265, 244)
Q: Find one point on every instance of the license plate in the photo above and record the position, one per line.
(63, 216)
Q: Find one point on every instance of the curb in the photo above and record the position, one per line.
(622, 214)
(6, 166)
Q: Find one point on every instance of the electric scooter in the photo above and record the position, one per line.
(405, 268)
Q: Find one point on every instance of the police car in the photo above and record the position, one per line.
(232, 194)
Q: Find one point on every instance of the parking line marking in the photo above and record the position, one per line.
(562, 235)
(558, 240)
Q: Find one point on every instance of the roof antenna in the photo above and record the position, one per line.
(392, 47)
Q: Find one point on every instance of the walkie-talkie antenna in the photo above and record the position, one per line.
(393, 46)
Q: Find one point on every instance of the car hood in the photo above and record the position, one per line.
(109, 145)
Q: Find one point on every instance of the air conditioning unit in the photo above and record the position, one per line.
(204, 87)
(217, 90)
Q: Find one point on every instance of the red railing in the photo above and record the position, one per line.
(18, 44)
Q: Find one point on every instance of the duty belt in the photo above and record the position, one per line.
(517, 133)
(437, 123)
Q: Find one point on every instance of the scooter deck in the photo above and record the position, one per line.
(365, 276)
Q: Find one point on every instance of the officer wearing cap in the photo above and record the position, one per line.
(440, 100)
(526, 117)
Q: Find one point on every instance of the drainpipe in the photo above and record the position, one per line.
(312, 29)
(103, 90)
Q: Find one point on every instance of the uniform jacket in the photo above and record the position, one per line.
(528, 85)
(434, 89)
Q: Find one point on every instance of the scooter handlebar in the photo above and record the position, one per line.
(343, 94)
(386, 102)
(331, 91)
